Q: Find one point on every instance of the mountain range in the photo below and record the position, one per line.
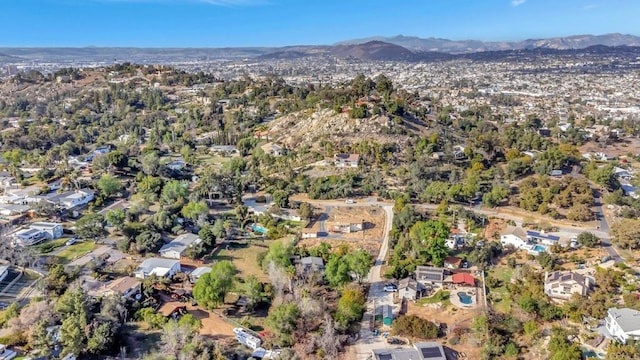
(396, 48)
(471, 46)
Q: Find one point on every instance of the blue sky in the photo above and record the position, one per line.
(219, 23)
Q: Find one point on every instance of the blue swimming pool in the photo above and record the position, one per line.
(258, 229)
(465, 298)
(539, 248)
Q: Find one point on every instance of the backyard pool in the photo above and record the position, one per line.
(465, 298)
(259, 229)
(539, 248)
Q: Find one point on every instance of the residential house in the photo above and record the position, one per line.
(272, 149)
(464, 278)
(452, 262)
(563, 284)
(430, 275)
(285, 214)
(127, 287)
(198, 272)
(172, 310)
(458, 152)
(419, 351)
(346, 160)
(622, 174)
(311, 264)
(514, 236)
(159, 267)
(542, 238)
(347, 228)
(51, 230)
(623, 324)
(176, 165)
(12, 210)
(28, 237)
(308, 233)
(72, 199)
(177, 247)
(410, 289)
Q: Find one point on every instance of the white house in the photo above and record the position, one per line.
(177, 247)
(623, 324)
(176, 165)
(272, 149)
(514, 236)
(563, 284)
(28, 237)
(410, 289)
(71, 199)
(195, 274)
(51, 230)
(346, 160)
(159, 267)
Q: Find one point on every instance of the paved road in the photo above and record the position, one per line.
(604, 227)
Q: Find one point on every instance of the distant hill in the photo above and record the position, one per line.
(470, 46)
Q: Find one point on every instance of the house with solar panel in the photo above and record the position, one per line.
(419, 351)
(429, 275)
(542, 238)
(563, 284)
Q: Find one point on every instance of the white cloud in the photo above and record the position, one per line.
(517, 2)
(591, 6)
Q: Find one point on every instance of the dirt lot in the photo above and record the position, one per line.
(244, 257)
(212, 325)
(373, 218)
(453, 318)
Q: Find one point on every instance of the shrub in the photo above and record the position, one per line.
(415, 326)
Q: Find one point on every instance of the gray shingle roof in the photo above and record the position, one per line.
(181, 243)
(628, 319)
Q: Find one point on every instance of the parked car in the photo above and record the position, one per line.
(71, 241)
(390, 288)
(350, 201)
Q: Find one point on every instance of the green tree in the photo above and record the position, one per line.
(282, 319)
(359, 262)
(350, 307)
(91, 226)
(414, 326)
(306, 211)
(116, 218)
(337, 271)
(432, 236)
(195, 210)
(588, 239)
(281, 198)
(109, 185)
(211, 288)
(72, 334)
(207, 236)
(41, 339)
(148, 241)
(626, 233)
(150, 185)
(173, 192)
(254, 291)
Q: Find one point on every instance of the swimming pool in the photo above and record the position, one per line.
(465, 298)
(258, 229)
(539, 248)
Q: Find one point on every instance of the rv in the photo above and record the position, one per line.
(246, 338)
